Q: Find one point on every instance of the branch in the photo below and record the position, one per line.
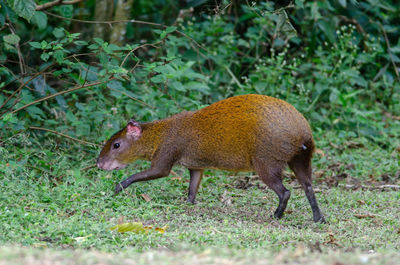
(127, 21)
(60, 93)
(390, 53)
(56, 3)
(20, 57)
(63, 135)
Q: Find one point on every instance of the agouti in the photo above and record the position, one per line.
(243, 133)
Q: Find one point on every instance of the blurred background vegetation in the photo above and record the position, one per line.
(81, 69)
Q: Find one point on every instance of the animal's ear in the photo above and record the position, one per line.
(133, 129)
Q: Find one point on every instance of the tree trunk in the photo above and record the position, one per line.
(103, 12)
(122, 12)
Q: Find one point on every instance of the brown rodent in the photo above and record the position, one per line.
(243, 133)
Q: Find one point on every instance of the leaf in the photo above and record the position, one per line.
(23, 8)
(59, 55)
(327, 29)
(40, 19)
(161, 229)
(58, 32)
(363, 216)
(45, 56)
(35, 44)
(299, 3)
(35, 112)
(158, 79)
(117, 85)
(80, 239)
(12, 39)
(178, 86)
(146, 197)
(170, 29)
(343, 3)
(135, 227)
(81, 42)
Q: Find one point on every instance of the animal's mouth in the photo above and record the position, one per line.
(111, 166)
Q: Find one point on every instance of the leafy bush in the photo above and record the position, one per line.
(336, 68)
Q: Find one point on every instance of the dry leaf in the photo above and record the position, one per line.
(361, 202)
(120, 220)
(82, 238)
(161, 229)
(146, 197)
(362, 216)
(331, 240)
(320, 152)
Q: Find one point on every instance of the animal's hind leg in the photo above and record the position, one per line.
(270, 174)
(301, 165)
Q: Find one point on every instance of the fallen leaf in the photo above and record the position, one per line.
(161, 229)
(137, 227)
(320, 152)
(120, 220)
(176, 178)
(331, 240)
(361, 202)
(319, 174)
(226, 199)
(80, 239)
(145, 197)
(363, 216)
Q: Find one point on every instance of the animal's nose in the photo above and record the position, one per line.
(100, 164)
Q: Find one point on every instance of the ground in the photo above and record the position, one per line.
(51, 210)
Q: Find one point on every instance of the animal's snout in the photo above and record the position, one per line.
(100, 163)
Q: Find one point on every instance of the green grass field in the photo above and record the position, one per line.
(51, 209)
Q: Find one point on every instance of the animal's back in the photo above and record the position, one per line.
(231, 133)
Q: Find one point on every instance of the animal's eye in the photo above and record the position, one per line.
(116, 145)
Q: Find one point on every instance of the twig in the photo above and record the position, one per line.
(88, 167)
(391, 55)
(56, 3)
(135, 99)
(61, 93)
(233, 77)
(21, 86)
(20, 58)
(63, 135)
(126, 21)
(12, 136)
(134, 49)
(380, 187)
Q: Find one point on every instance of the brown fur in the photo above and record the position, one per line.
(243, 133)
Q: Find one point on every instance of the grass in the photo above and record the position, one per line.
(47, 202)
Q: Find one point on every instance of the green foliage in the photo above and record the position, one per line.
(23, 8)
(331, 73)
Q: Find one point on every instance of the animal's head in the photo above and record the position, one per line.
(121, 148)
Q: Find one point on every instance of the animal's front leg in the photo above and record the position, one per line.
(153, 173)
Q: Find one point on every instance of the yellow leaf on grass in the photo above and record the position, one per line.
(137, 227)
